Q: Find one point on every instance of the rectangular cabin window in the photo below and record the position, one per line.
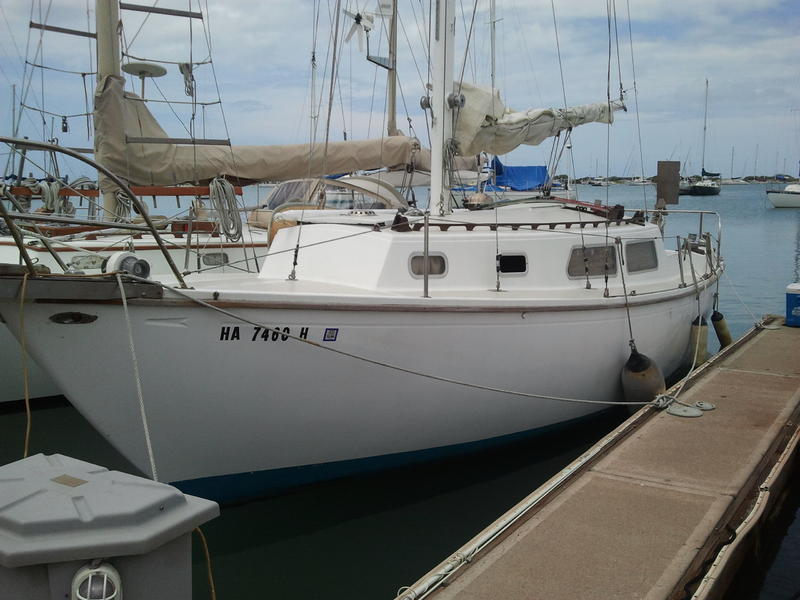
(437, 265)
(512, 263)
(595, 259)
(641, 256)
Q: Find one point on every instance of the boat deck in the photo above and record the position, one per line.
(645, 512)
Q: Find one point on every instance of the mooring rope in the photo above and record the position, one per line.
(756, 321)
(25, 375)
(138, 380)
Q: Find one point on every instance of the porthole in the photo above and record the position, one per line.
(512, 263)
(437, 265)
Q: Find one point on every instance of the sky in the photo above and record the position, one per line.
(261, 70)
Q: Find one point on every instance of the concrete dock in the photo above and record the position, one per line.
(663, 507)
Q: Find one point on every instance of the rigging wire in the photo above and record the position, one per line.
(424, 43)
(144, 21)
(466, 50)
(334, 76)
(636, 102)
(374, 88)
(568, 138)
(11, 34)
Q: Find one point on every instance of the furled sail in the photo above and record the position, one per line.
(119, 117)
(485, 124)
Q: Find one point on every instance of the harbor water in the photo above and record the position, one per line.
(367, 537)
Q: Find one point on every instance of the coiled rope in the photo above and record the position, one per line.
(48, 191)
(223, 199)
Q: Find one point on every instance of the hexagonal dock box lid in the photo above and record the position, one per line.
(56, 508)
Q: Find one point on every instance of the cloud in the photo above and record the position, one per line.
(262, 52)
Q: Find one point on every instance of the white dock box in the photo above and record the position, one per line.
(63, 521)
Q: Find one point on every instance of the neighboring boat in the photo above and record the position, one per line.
(704, 187)
(788, 197)
(376, 336)
(684, 186)
(506, 183)
(640, 181)
(707, 185)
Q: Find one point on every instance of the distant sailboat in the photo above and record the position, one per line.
(706, 186)
(788, 197)
(733, 180)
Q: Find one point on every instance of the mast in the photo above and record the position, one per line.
(492, 22)
(442, 32)
(755, 164)
(107, 21)
(391, 75)
(705, 120)
(732, 149)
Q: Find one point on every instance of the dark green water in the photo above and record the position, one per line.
(366, 537)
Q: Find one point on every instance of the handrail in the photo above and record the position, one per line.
(140, 208)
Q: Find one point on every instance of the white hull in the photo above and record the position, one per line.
(233, 406)
(11, 373)
(39, 382)
(788, 198)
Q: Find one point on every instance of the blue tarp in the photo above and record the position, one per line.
(519, 178)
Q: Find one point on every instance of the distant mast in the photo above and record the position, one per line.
(705, 121)
(755, 164)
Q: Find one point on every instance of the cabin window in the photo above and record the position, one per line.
(597, 260)
(512, 263)
(215, 259)
(437, 265)
(641, 256)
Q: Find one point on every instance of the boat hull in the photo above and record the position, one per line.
(227, 398)
(784, 199)
(704, 190)
(39, 382)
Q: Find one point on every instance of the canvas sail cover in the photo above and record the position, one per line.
(709, 173)
(120, 116)
(486, 125)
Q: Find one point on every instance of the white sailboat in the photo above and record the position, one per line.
(372, 337)
(788, 197)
